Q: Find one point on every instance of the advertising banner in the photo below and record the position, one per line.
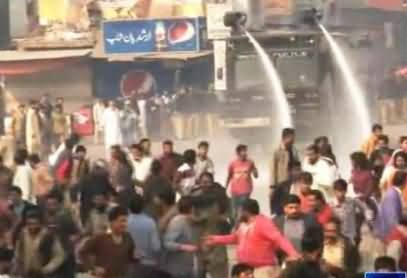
(82, 121)
(153, 35)
(216, 27)
(219, 48)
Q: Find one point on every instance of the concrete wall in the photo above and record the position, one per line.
(73, 83)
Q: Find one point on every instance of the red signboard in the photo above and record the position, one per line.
(82, 121)
(391, 5)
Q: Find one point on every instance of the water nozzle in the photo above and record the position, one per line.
(236, 20)
(312, 16)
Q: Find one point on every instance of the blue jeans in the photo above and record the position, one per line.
(237, 202)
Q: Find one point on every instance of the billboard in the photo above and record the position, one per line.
(143, 79)
(154, 35)
(278, 7)
(219, 49)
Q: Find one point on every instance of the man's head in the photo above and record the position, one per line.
(5, 179)
(403, 143)
(292, 207)
(118, 220)
(206, 180)
(242, 271)
(249, 209)
(315, 200)
(112, 104)
(190, 157)
(399, 179)
(21, 108)
(288, 137)
(332, 230)
(304, 182)
(340, 189)
(385, 264)
(400, 160)
(53, 202)
(241, 151)
(185, 205)
(145, 144)
(136, 152)
(80, 152)
(312, 245)
(15, 195)
(382, 142)
(60, 101)
(203, 149)
(359, 161)
(136, 205)
(33, 220)
(100, 200)
(20, 157)
(59, 108)
(34, 160)
(312, 154)
(168, 147)
(164, 198)
(321, 141)
(377, 130)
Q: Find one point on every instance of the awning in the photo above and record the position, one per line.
(27, 62)
(390, 5)
(177, 56)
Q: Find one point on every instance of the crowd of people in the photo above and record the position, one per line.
(66, 213)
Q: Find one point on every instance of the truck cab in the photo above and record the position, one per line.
(247, 108)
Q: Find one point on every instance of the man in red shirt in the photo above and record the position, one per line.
(240, 180)
(257, 240)
(318, 207)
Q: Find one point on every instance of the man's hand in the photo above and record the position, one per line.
(295, 258)
(209, 241)
(98, 272)
(189, 248)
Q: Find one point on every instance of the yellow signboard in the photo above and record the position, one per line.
(151, 8)
(51, 11)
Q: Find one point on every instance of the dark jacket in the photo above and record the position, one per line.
(352, 258)
(281, 191)
(310, 224)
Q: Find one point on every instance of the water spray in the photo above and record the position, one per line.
(237, 20)
(353, 87)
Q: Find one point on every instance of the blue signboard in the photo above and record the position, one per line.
(385, 275)
(153, 35)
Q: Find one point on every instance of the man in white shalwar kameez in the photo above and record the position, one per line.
(33, 135)
(111, 123)
(98, 116)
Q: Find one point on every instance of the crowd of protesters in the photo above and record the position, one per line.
(64, 213)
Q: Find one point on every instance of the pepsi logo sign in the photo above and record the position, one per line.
(137, 83)
(181, 31)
